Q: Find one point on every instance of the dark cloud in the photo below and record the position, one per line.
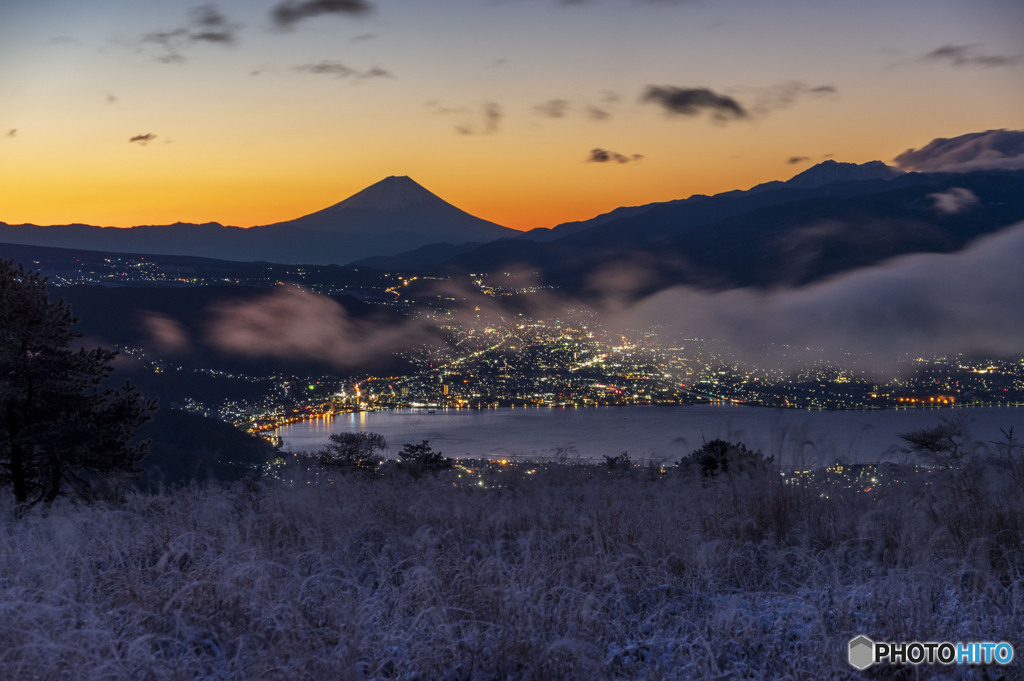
(969, 55)
(785, 95)
(376, 72)
(599, 155)
(212, 37)
(694, 101)
(13, 132)
(287, 14)
(487, 123)
(206, 25)
(339, 70)
(363, 37)
(327, 68)
(562, 108)
(925, 304)
(111, 98)
(142, 139)
(992, 149)
(793, 160)
(553, 108)
(209, 25)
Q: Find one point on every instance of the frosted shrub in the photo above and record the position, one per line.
(565, 572)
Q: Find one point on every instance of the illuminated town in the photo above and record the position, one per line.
(496, 358)
(533, 363)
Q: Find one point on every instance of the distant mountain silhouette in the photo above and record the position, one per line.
(630, 226)
(389, 217)
(397, 208)
(830, 218)
(825, 173)
(831, 172)
(775, 234)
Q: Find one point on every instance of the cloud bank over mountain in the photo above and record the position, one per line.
(921, 304)
(989, 150)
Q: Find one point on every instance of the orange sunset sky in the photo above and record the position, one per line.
(245, 112)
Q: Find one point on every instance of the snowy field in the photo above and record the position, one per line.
(569, 572)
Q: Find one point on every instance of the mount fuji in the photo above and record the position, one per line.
(397, 207)
(392, 216)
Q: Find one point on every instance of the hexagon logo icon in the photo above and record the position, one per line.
(862, 652)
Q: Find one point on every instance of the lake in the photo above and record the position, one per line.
(793, 436)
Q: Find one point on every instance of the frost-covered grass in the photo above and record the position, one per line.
(569, 573)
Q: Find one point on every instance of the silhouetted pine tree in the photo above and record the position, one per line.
(59, 428)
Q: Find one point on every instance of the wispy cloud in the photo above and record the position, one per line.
(969, 55)
(785, 95)
(206, 24)
(793, 160)
(601, 111)
(291, 323)
(954, 200)
(376, 72)
(437, 107)
(693, 101)
(599, 155)
(286, 14)
(487, 122)
(339, 70)
(165, 334)
(13, 132)
(560, 107)
(142, 139)
(64, 40)
(553, 108)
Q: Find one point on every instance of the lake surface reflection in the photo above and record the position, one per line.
(659, 433)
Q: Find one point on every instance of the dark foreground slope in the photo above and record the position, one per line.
(185, 448)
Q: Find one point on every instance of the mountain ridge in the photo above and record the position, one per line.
(618, 228)
(783, 236)
(391, 216)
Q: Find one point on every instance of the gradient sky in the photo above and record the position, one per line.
(121, 112)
